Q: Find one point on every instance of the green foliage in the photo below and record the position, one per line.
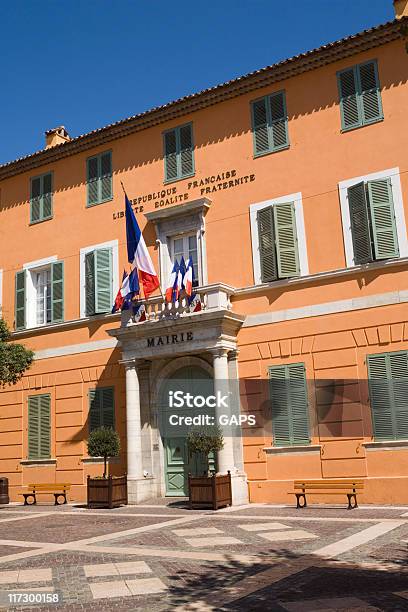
(104, 442)
(204, 441)
(15, 359)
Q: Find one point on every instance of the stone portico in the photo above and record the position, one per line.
(170, 339)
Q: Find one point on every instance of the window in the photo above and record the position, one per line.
(39, 295)
(186, 246)
(178, 153)
(360, 96)
(98, 281)
(41, 198)
(99, 178)
(101, 408)
(372, 219)
(39, 427)
(288, 392)
(388, 382)
(270, 124)
(278, 250)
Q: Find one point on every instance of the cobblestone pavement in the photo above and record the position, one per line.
(161, 556)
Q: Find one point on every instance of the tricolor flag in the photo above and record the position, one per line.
(172, 291)
(139, 312)
(128, 289)
(180, 275)
(189, 278)
(138, 255)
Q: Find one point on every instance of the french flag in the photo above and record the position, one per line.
(189, 278)
(181, 275)
(172, 291)
(128, 289)
(138, 255)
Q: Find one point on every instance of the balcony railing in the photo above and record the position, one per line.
(210, 297)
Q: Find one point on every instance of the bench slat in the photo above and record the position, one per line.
(324, 487)
(324, 481)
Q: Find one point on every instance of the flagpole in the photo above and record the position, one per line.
(161, 292)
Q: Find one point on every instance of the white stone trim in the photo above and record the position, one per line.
(72, 349)
(394, 175)
(300, 229)
(317, 310)
(30, 296)
(389, 445)
(304, 449)
(114, 245)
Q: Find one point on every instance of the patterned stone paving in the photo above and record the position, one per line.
(159, 557)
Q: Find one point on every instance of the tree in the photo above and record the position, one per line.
(15, 359)
(205, 441)
(103, 442)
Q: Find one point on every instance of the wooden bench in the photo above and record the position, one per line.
(56, 488)
(347, 487)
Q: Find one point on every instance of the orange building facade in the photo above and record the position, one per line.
(288, 188)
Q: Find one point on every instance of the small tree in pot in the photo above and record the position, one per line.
(208, 491)
(205, 441)
(104, 442)
(105, 492)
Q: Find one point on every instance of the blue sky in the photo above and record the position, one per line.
(87, 63)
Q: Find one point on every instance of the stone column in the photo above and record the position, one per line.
(133, 424)
(226, 455)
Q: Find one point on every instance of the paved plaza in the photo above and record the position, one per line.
(162, 556)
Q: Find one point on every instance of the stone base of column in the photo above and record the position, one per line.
(239, 488)
(141, 489)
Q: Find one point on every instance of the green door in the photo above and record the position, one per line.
(178, 463)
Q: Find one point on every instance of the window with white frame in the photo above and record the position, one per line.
(278, 239)
(42, 286)
(39, 293)
(186, 247)
(373, 218)
(99, 278)
(180, 233)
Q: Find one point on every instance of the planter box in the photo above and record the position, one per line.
(210, 491)
(108, 492)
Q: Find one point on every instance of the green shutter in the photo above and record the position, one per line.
(92, 181)
(90, 283)
(349, 102)
(370, 95)
(35, 200)
(105, 173)
(286, 240)
(278, 121)
(360, 95)
(290, 418)
(33, 427)
(260, 127)
(388, 382)
(57, 291)
(39, 427)
(103, 280)
(20, 317)
(46, 203)
(399, 375)
(101, 408)
(383, 218)
(170, 155)
(267, 251)
(41, 198)
(360, 225)
(186, 150)
(108, 409)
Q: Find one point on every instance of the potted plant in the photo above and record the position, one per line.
(209, 490)
(105, 491)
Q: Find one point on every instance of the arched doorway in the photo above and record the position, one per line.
(178, 464)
